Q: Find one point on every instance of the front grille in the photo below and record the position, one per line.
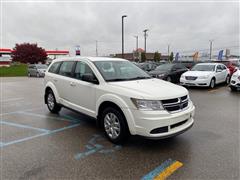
(175, 104)
(190, 77)
(159, 130)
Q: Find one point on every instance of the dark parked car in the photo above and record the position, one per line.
(170, 72)
(187, 64)
(148, 66)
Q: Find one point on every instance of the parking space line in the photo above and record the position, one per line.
(39, 135)
(43, 116)
(163, 171)
(14, 112)
(23, 126)
(12, 99)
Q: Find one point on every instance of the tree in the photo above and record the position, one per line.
(29, 53)
(157, 56)
(171, 57)
(143, 56)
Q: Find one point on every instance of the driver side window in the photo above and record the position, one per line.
(81, 70)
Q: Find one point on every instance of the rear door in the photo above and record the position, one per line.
(63, 80)
(219, 74)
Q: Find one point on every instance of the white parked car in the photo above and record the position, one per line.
(206, 74)
(235, 81)
(120, 96)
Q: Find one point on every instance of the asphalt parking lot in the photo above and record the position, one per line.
(38, 145)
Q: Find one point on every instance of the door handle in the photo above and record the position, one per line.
(72, 84)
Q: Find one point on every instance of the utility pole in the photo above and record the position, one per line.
(96, 48)
(145, 39)
(211, 41)
(123, 35)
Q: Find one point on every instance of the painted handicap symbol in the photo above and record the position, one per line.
(94, 147)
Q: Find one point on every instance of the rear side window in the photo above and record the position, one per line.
(66, 68)
(54, 67)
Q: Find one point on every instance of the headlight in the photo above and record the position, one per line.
(203, 77)
(147, 105)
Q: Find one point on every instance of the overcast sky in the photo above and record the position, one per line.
(187, 27)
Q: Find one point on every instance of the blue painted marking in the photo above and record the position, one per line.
(39, 135)
(72, 119)
(43, 116)
(23, 126)
(94, 147)
(158, 170)
(1, 144)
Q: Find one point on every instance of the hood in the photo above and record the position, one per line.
(152, 89)
(197, 73)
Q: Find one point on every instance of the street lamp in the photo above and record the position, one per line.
(123, 35)
(136, 42)
(145, 39)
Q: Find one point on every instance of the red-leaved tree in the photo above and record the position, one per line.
(29, 53)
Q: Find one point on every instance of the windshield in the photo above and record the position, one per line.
(120, 71)
(203, 67)
(164, 67)
(41, 66)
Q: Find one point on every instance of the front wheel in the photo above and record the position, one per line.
(233, 88)
(169, 79)
(227, 81)
(115, 125)
(51, 102)
(212, 83)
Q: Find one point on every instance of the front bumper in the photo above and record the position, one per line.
(235, 82)
(147, 123)
(197, 82)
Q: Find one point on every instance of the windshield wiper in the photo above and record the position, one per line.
(128, 79)
(140, 77)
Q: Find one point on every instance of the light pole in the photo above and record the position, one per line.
(136, 42)
(123, 35)
(96, 48)
(145, 39)
(168, 47)
(211, 41)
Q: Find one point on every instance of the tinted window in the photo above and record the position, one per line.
(66, 68)
(223, 67)
(219, 67)
(54, 67)
(82, 69)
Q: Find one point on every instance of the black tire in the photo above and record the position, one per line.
(233, 88)
(227, 81)
(52, 106)
(122, 124)
(169, 79)
(212, 83)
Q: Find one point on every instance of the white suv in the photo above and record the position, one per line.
(120, 96)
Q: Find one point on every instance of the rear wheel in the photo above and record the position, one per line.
(51, 102)
(212, 83)
(114, 125)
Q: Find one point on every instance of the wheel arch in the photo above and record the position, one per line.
(118, 103)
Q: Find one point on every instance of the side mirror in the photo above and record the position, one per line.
(90, 78)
